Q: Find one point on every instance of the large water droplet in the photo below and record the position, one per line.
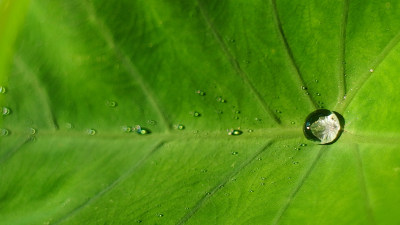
(323, 126)
(2, 90)
(5, 111)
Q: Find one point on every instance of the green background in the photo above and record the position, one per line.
(75, 67)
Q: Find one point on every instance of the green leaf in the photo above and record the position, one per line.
(188, 72)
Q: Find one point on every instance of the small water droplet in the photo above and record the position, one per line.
(152, 122)
(200, 92)
(258, 119)
(4, 132)
(91, 131)
(295, 163)
(160, 215)
(196, 114)
(237, 111)
(6, 111)
(263, 178)
(251, 191)
(371, 70)
(208, 193)
(127, 129)
(32, 131)
(318, 94)
(234, 132)
(138, 221)
(293, 122)
(203, 170)
(316, 81)
(180, 127)
(303, 145)
(236, 117)
(235, 153)
(69, 125)
(250, 130)
(2, 90)
(111, 104)
(141, 130)
(220, 99)
(259, 158)
(278, 111)
(304, 88)
(323, 126)
(296, 149)
(262, 184)
(195, 131)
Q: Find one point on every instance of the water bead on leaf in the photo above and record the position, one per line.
(5, 111)
(2, 90)
(91, 132)
(323, 126)
(234, 132)
(141, 130)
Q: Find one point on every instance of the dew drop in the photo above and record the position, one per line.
(180, 127)
(4, 132)
(237, 111)
(251, 191)
(6, 111)
(250, 130)
(32, 131)
(160, 215)
(371, 70)
(69, 125)
(259, 158)
(293, 122)
(111, 104)
(316, 81)
(304, 88)
(235, 153)
(220, 99)
(278, 111)
(318, 94)
(141, 130)
(196, 114)
(138, 221)
(323, 126)
(127, 129)
(200, 92)
(2, 90)
(303, 145)
(91, 132)
(152, 122)
(234, 132)
(236, 117)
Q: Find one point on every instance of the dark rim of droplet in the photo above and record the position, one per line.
(314, 116)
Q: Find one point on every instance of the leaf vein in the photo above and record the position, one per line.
(108, 188)
(215, 189)
(289, 52)
(235, 64)
(296, 189)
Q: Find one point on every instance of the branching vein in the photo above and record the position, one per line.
(215, 189)
(236, 65)
(289, 52)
